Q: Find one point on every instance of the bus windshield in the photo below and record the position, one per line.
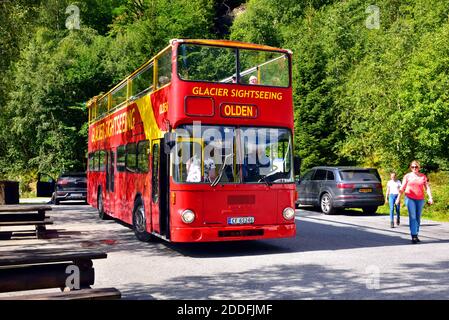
(219, 64)
(225, 154)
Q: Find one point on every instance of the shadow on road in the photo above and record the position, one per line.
(311, 236)
(80, 227)
(297, 281)
(343, 212)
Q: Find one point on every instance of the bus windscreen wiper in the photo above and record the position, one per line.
(220, 174)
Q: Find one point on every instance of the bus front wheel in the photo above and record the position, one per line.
(139, 222)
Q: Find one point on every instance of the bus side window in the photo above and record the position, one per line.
(102, 106)
(96, 161)
(143, 151)
(118, 96)
(121, 159)
(164, 68)
(91, 161)
(142, 82)
(131, 157)
(102, 160)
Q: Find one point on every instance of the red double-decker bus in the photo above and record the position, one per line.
(197, 144)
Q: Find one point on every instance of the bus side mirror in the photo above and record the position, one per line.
(297, 165)
(169, 141)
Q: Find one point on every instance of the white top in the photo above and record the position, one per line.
(194, 169)
(394, 186)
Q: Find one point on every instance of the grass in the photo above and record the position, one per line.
(439, 211)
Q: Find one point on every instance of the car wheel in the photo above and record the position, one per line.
(326, 203)
(369, 210)
(56, 202)
(100, 207)
(139, 222)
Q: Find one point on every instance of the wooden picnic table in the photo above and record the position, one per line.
(24, 215)
(44, 269)
(21, 211)
(83, 294)
(26, 257)
(24, 208)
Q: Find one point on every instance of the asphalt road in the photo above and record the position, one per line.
(345, 256)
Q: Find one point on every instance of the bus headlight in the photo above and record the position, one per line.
(288, 213)
(187, 216)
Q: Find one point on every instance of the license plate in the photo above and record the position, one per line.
(366, 190)
(241, 220)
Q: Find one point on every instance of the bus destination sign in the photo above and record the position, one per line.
(231, 110)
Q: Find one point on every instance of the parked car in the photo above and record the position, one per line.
(333, 188)
(70, 186)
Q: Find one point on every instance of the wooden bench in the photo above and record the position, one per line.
(45, 269)
(26, 215)
(83, 294)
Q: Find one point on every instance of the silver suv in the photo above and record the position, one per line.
(332, 188)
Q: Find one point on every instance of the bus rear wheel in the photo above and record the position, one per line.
(139, 222)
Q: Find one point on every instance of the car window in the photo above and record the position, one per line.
(376, 173)
(330, 176)
(358, 175)
(320, 174)
(307, 175)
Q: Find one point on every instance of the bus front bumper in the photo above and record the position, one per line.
(234, 233)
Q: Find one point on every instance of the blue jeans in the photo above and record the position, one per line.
(414, 214)
(391, 201)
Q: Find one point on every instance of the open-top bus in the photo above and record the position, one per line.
(196, 144)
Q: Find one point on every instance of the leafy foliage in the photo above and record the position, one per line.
(362, 95)
(51, 71)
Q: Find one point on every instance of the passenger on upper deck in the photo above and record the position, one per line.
(253, 80)
(163, 80)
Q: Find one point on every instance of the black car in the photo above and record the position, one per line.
(332, 188)
(70, 186)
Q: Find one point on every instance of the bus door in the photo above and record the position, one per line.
(160, 191)
(110, 196)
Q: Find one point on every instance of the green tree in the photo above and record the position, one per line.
(55, 71)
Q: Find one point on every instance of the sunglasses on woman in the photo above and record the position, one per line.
(414, 167)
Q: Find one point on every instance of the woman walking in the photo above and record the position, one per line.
(393, 187)
(413, 185)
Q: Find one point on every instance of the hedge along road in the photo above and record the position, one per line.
(345, 256)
